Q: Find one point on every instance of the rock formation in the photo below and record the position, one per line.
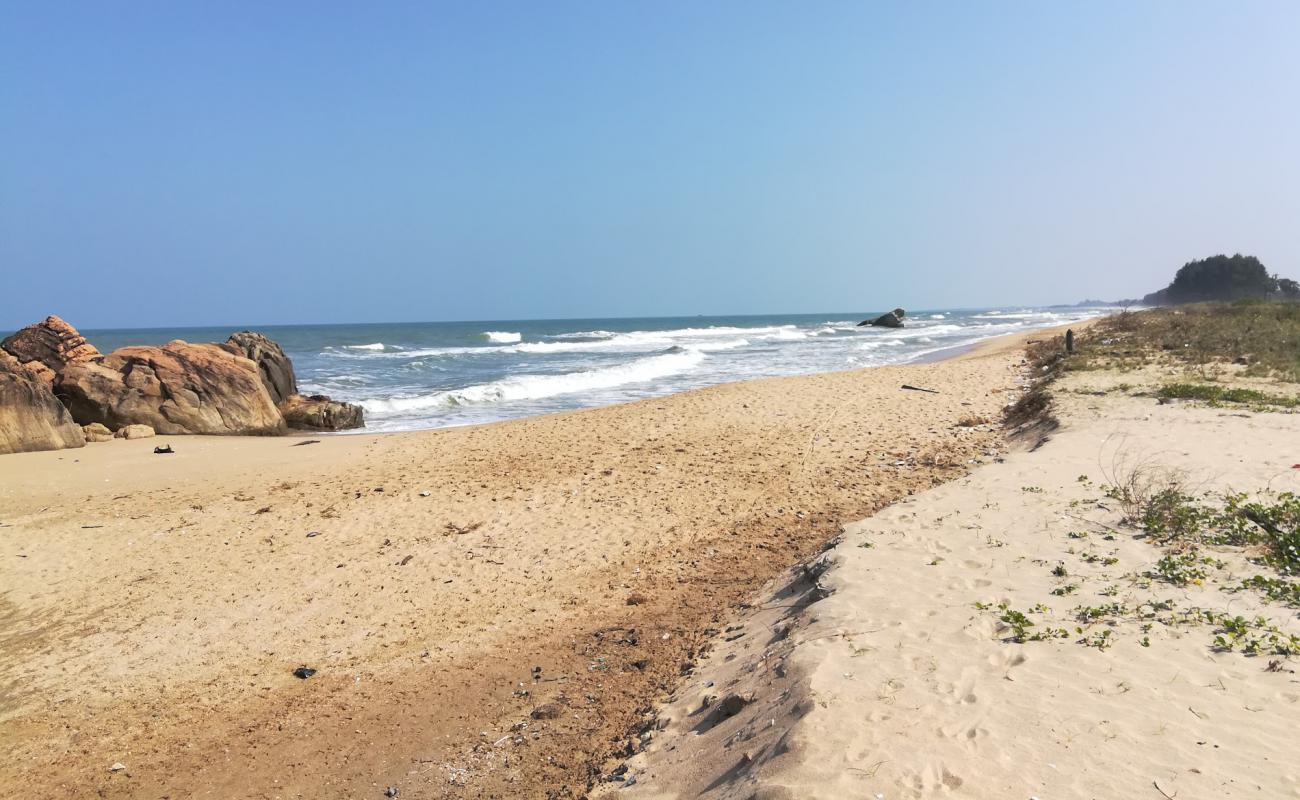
(59, 391)
(319, 413)
(50, 343)
(176, 388)
(134, 432)
(272, 364)
(31, 417)
(892, 319)
(97, 433)
(304, 412)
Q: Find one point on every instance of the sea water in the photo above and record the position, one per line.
(434, 374)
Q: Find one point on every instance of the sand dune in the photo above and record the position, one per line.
(897, 685)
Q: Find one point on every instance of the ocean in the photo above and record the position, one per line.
(410, 376)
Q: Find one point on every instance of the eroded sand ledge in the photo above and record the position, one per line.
(897, 686)
(154, 607)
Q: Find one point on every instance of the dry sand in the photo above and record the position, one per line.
(489, 609)
(895, 685)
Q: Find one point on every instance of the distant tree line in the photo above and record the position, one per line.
(1223, 277)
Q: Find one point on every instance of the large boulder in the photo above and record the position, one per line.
(272, 364)
(31, 417)
(176, 388)
(95, 432)
(319, 413)
(134, 432)
(51, 344)
(892, 319)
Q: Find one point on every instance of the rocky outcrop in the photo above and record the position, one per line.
(272, 364)
(176, 388)
(59, 391)
(134, 432)
(319, 413)
(94, 432)
(892, 319)
(50, 343)
(31, 417)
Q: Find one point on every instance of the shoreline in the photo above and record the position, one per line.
(162, 603)
(18, 482)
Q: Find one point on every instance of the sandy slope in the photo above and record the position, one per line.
(489, 609)
(898, 686)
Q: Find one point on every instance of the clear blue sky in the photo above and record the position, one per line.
(178, 163)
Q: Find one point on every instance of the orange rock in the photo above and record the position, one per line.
(176, 388)
(31, 417)
(50, 342)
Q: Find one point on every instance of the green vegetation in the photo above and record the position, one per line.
(1264, 529)
(1221, 278)
(1220, 394)
(1268, 529)
(1253, 637)
(1181, 569)
(1275, 589)
(1019, 623)
(1264, 336)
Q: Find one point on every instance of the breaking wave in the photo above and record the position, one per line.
(535, 387)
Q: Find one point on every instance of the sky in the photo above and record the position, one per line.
(183, 163)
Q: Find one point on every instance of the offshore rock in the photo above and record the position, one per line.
(892, 319)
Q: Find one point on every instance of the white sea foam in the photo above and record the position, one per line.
(1023, 314)
(502, 337)
(786, 334)
(373, 346)
(585, 335)
(535, 387)
(876, 344)
(725, 344)
(579, 347)
(656, 340)
(937, 316)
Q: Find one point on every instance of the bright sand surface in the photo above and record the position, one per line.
(873, 674)
(488, 609)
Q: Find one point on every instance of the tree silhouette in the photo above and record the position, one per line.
(1218, 278)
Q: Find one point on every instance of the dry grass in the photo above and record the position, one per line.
(1263, 336)
(1033, 411)
(1136, 481)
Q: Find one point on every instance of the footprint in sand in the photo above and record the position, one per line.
(1006, 659)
